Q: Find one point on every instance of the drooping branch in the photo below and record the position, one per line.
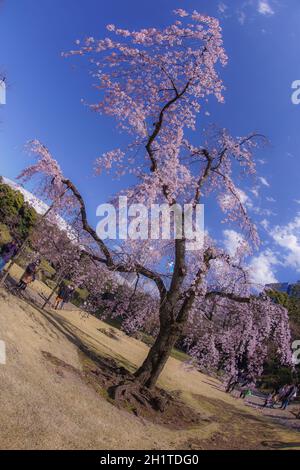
(108, 258)
(86, 226)
(203, 177)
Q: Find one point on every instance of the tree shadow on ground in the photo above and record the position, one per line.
(281, 445)
(101, 372)
(104, 373)
(213, 385)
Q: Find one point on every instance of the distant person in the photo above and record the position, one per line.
(283, 391)
(291, 394)
(60, 296)
(279, 394)
(8, 251)
(68, 295)
(271, 399)
(246, 392)
(231, 384)
(29, 275)
(246, 382)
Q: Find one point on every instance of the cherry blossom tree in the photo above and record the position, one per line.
(236, 337)
(155, 83)
(59, 248)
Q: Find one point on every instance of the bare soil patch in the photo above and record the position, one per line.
(157, 406)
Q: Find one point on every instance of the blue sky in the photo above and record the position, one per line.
(44, 101)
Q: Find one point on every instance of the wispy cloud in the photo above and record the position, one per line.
(222, 7)
(241, 16)
(264, 8)
(263, 212)
(265, 224)
(264, 181)
(254, 191)
(246, 10)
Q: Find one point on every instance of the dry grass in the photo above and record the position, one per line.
(45, 407)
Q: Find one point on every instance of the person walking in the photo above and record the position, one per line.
(60, 296)
(270, 400)
(283, 391)
(7, 252)
(279, 394)
(68, 295)
(291, 394)
(29, 275)
(246, 392)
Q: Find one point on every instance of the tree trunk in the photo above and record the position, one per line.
(158, 355)
(171, 328)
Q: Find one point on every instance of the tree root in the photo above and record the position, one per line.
(126, 392)
(136, 395)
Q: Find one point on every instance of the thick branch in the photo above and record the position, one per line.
(203, 177)
(108, 259)
(229, 296)
(190, 294)
(157, 128)
(159, 123)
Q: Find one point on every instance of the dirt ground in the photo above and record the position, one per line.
(46, 401)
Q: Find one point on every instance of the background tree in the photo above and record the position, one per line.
(155, 82)
(15, 213)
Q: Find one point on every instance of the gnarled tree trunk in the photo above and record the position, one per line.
(171, 326)
(158, 355)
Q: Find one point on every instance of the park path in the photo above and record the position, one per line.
(283, 417)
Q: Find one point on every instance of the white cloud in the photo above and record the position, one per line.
(265, 224)
(244, 198)
(241, 17)
(232, 241)
(288, 238)
(264, 8)
(262, 268)
(263, 212)
(264, 181)
(255, 192)
(270, 199)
